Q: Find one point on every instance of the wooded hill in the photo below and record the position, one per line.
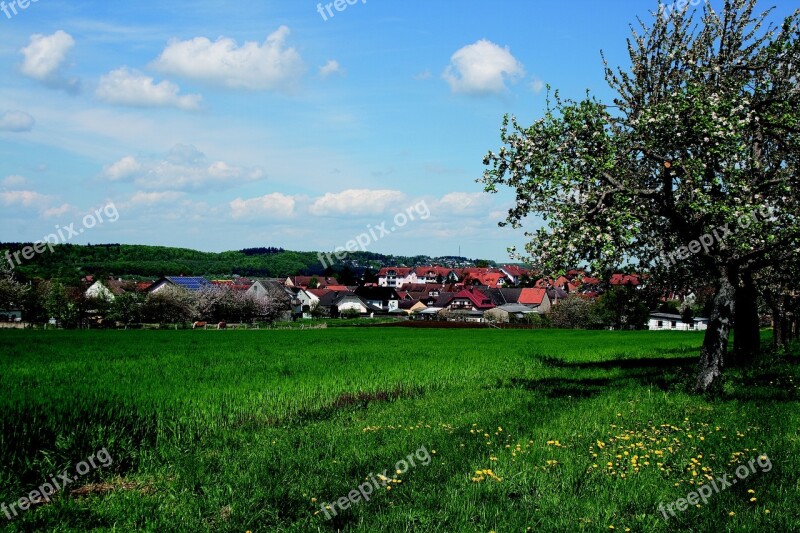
(70, 262)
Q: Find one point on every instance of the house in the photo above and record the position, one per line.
(306, 302)
(436, 275)
(189, 283)
(667, 321)
(470, 304)
(488, 277)
(338, 303)
(514, 273)
(385, 298)
(269, 287)
(537, 299)
(508, 313)
(273, 290)
(396, 277)
(108, 290)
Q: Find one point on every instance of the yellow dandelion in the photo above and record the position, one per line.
(731, 514)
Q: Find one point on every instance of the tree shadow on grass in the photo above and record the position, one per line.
(665, 374)
(625, 363)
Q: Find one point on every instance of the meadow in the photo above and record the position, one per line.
(523, 430)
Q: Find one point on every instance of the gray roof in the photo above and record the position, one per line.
(670, 316)
(516, 308)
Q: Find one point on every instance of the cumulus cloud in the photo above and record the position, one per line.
(462, 203)
(184, 168)
(330, 68)
(253, 66)
(24, 198)
(482, 68)
(16, 121)
(275, 205)
(125, 168)
(356, 202)
(45, 59)
(132, 88)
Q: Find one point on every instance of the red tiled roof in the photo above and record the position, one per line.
(515, 270)
(319, 293)
(478, 299)
(532, 296)
(425, 271)
(304, 281)
(625, 279)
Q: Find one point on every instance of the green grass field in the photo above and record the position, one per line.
(513, 431)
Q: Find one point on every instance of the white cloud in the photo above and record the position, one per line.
(24, 198)
(424, 75)
(330, 68)
(183, 168)
(482, 68)
(253, 66)
(124, 168)
(150, 198)
(59, 211)
(16, 121)
(45, 58)
(132, 88)
(14, 181)
(462, 203)
(357, 202)
(275, 205)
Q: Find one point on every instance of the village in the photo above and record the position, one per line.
(508, 294)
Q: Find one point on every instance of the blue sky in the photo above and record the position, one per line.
(219, 126)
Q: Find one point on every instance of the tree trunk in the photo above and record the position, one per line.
(715, 344)
(746, 328)
(778, 334)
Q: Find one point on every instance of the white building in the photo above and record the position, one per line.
(666, 321)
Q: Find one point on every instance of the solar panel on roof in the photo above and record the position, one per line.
(190, 283)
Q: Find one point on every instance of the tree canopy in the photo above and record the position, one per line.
(690, 173)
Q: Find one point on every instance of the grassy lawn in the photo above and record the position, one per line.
(513, 430)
